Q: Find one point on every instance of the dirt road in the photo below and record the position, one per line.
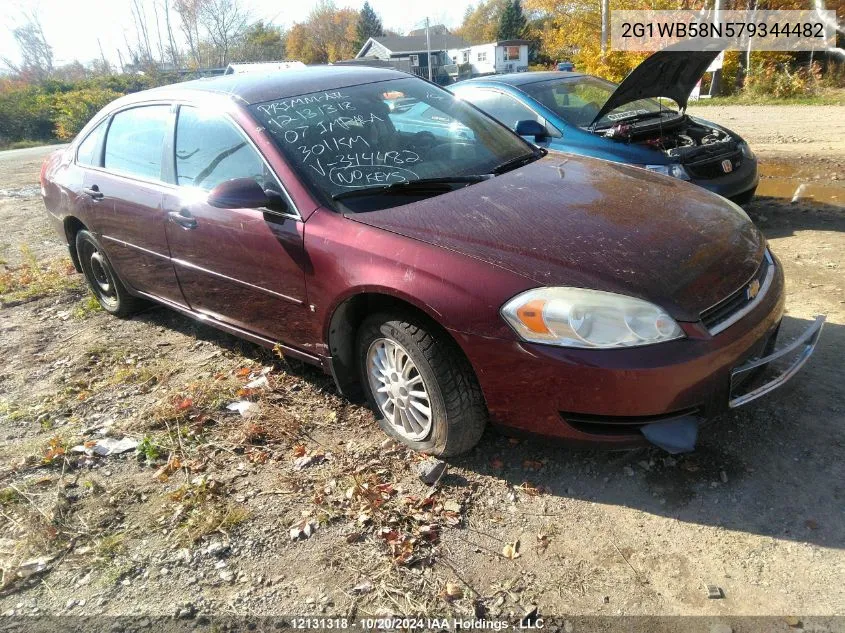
(200, 522)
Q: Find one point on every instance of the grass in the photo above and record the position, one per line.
(34, 279)
(203, 509)
(86, 308)
(24, 143)
(833, 96)
(197, 397)
(10, 496)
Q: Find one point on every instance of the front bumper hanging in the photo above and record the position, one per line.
(808, 340)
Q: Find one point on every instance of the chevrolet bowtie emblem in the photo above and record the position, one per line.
(753, 289)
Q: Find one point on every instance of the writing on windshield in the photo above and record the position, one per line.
(383, 133)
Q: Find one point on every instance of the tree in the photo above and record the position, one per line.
(225, 22)
(188, 12)
(261, 42)
(369, 25)
(327, 35)
(512, 22)
(481, 23)
(36, 54)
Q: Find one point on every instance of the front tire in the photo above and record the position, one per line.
(421, 387)
(102, 279)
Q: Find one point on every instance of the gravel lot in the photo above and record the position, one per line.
(201, 523)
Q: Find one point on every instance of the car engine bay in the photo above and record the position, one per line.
(682, 139)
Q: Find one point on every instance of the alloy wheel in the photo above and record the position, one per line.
(399, 389)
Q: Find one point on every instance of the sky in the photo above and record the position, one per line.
(73, 26)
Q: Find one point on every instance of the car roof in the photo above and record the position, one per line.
(520, 79)
(257, 87)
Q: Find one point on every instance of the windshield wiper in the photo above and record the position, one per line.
(519, 161)
(411, 185)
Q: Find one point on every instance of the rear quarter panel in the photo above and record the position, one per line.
(61, 187)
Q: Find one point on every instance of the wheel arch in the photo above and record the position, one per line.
(345, 320)
(72, 226)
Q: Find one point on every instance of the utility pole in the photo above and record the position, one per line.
(428, 48)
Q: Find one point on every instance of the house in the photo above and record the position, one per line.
(410, 52)
(504, 56)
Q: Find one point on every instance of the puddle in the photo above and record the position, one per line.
(794, 182)
(30, 191)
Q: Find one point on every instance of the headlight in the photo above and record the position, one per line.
(746, 151)
(577, 317)
(673, 169)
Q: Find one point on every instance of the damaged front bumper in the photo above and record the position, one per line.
(680, 435)
(806, 343)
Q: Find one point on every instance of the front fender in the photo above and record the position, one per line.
(459, 292)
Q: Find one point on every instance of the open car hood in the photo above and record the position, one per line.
(667, 73)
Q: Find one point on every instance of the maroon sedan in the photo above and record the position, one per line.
(373, 224)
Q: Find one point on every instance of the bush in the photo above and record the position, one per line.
(72, 110)
(25, 113)
(776, 80)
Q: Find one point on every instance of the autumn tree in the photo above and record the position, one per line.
(512, 22)
(369, 25)
(327, 35)
(481, 22)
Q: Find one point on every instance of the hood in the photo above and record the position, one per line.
(667, 73)
(568, 220)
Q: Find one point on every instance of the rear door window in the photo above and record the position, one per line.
(135, 141)
(209, 150)
(89, 153)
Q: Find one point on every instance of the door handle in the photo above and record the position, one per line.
(183, 218)
(93, 192)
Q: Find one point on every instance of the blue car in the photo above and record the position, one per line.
(628, 123)
(417, 117)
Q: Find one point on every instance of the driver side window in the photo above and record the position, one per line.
(209, 150)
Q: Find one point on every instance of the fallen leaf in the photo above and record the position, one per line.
(452, 591)
(452, 506)
(299, 450)
(511, 550)
(243, 371)
(302, 530)
(542, 541)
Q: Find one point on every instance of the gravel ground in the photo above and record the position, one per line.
(201, 522)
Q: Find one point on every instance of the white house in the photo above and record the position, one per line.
(505, 56)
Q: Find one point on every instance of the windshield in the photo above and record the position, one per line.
(578, 100)
(383, 133)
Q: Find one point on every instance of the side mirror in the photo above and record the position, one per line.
(530, 127)
(238, 193)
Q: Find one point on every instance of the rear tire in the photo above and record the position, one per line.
(102, 279)
(421, 387)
